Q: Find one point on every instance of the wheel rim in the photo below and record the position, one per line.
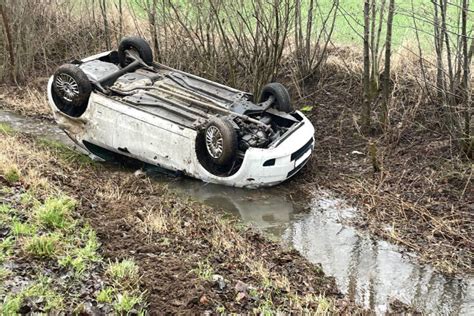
(67, 86)
(214, 142)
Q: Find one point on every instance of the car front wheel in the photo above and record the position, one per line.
(221, 141)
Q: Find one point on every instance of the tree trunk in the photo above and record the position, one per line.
(120, 7)
(443, 4)
(366, 76)
(154, 29)
(103, 9)
(467, 137)
(386, 73)
(9, 42)
(438, 40)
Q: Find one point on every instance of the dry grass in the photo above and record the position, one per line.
(162, 217)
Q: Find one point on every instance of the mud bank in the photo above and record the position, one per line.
(191, 258)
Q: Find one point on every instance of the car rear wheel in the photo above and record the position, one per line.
(280, 93)
(221, 141)
(135, 45)
(72, 89)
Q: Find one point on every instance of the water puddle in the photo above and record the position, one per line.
(371, 271)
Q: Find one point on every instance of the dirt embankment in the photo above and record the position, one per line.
(191, 258)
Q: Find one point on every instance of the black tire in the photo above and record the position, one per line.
(282, 97)
(219, 129)
(139, 45)
(71, 89)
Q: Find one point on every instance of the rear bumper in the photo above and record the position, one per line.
(270, 166)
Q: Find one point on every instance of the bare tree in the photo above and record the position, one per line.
(366, 76)
(103, 10)
(468, 141)
(9, 41)
(312, 38)
(386, 74)
(151, 8)
(439, 47)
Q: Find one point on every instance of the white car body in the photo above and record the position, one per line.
(139, 133)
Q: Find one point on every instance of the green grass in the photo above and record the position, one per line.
(46, 231)
(50, 299)
(4, 272)
(105, 295)
(125, 302)
(12, 175)
(6, 245)
(349, 20)
(28, 198)
(80, 258)
(204, 271)
(45, 246)
(5, 128)
(5, 209)
(22, 229)
(64, 152)
(55, 212)
(11, 305)
(125, 271)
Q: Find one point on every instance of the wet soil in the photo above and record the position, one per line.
(167, 260)
(244, 272)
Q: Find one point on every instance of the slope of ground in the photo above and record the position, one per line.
(190, 258)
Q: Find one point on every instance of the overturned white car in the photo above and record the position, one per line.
(122, 102)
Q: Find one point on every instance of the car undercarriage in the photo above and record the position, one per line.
(227, 121)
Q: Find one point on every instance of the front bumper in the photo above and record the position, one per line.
(270, 166)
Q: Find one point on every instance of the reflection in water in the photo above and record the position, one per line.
(370, 271)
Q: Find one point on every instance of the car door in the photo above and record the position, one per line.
(153, 140)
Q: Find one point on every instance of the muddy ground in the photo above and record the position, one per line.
(192, 258)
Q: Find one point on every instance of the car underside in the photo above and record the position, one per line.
(227, 122)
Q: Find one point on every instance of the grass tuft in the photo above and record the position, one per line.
(6, 129)
(22, 229)
(50, 300)
(125, 302)
(79, 258)
(46, 246)
(204, 271)
(125, 271)
(55, 212)
(12, 174)
(6, 245)
(11, 305)
(65, 153)
(4, 273)
(105, 295)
